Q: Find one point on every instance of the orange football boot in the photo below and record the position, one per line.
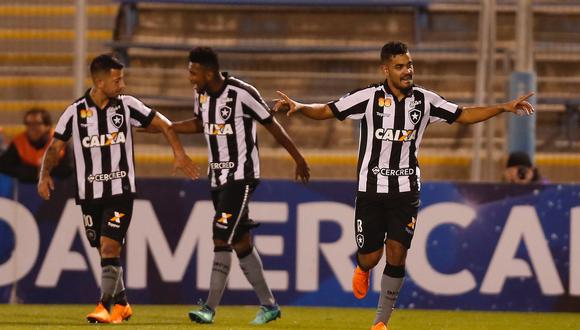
(379, 326)
(360, 283)
(99, 315)
(121, 313)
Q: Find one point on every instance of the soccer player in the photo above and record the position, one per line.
(100, 126)
(226, 110)
(393, 116)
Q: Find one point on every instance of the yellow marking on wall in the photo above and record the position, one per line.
(110, 10)
(52, 34)
(41, 58)
(39, 81)
(25, 105)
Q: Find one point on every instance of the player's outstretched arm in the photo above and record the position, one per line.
(181, 160)
(302, 171)
(316, 111)
(520, 106)
(49, 161)
(188, 126)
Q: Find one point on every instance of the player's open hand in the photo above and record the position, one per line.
(302, 171)
(520, 106)
(285, 103)
(45, 186)
(186, 165)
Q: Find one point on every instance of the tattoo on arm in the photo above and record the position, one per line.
(50, 159)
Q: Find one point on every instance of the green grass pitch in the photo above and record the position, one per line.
(295, 318)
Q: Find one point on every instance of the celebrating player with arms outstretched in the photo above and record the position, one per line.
(393, 116)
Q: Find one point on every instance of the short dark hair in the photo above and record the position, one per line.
(45, 115)
(519, 158)
(105, 63)
(393, 48)
(205, 56)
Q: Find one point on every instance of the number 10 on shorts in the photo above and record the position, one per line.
(88, 220)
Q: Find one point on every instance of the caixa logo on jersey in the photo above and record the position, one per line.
(390, 134)
(103, 140)
(218, 129)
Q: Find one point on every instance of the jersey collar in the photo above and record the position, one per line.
(91, 103)
(389, 91)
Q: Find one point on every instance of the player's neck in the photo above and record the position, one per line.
(399, 94)
(216, 85)
(99, 98)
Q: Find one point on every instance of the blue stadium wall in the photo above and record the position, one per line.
(476, 246)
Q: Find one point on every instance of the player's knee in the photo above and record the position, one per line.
(220, 243)
(243, 240)
(243, 245)
(110, 251)
(369, 260)
(243, 250)
(110, 248)
(396, 253)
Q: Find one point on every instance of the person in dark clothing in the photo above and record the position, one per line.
(520, 169)
(23, 157)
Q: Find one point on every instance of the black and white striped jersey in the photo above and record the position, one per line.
(391, 132)
(229, 124)
(103, 144)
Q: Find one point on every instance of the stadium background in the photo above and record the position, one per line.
(316, 51)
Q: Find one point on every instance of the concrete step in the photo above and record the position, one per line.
(48, 45)
(179, 23)
(55, 2)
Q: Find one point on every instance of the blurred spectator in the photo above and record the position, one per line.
(519, 169)
(24, 155)
(2, 141)
(570, 122)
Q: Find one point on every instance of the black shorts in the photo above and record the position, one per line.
(379, 214)
(110, 219)
(231, 210)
